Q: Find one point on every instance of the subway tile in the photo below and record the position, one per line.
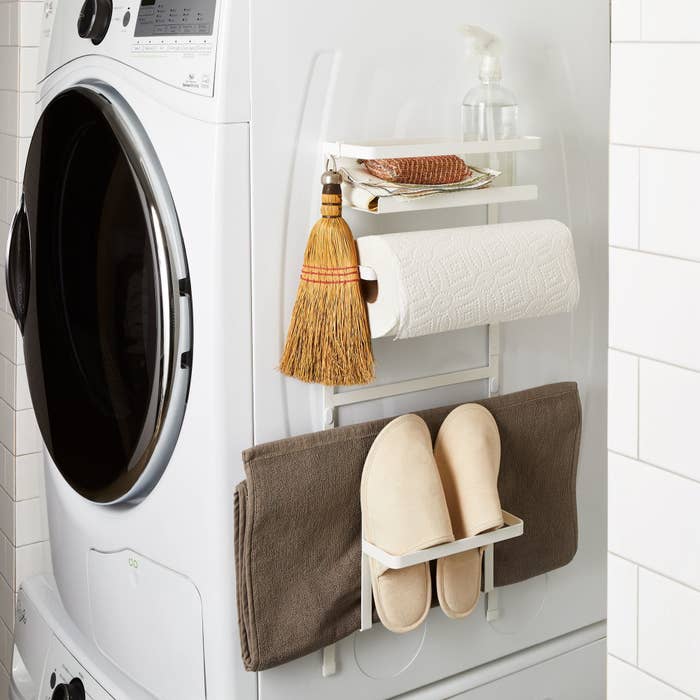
(28, 68)
(652, 518)
(654, 308)
(671, 20)
(9, 68)
(669, 619)
(19, 563)
(6, 648)
(22, 151)
(625, 20)
(7, 426)
(23, 522)
(622, 609)
(27, 114)
(5, 24)
(31, 15)
(7, 381)
(13, 28)
(651, 104)
(8, 337)
(669, 415)
(30, 560)
(623, 371)
(21, 476)
(27, 435)
(624, 196)
(29, 476)
(9, 206)
(7, 604)
(9, 111)
(670, 209)
(22, 397)
(4, 682)
(628, 683)
(8, 157)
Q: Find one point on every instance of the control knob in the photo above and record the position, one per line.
(69, 691)
(94, 19)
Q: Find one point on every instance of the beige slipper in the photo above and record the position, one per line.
(468, 455)
(403, 510)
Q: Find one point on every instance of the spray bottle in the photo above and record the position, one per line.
(489, 111)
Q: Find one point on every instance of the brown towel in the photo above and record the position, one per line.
(298, 519)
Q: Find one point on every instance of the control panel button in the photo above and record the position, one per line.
(126, 18)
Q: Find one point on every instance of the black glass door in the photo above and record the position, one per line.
(94, 282)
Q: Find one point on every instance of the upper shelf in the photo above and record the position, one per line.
(412, 148)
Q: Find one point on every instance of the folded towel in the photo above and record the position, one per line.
(298, 520)
(363, 190)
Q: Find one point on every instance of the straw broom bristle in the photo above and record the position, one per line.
(328, 341)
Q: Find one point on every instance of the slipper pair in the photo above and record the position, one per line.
(414, 497)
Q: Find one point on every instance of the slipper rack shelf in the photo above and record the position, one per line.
(513, 527)
(491, 197)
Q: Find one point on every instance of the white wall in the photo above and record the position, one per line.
(23, 546)
(654, 363)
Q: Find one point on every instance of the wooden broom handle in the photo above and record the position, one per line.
(331, 201)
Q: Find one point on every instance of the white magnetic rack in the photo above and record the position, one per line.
(393, 148)
(491, 197)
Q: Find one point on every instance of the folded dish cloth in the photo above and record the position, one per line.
(363, 190)
(298, 519)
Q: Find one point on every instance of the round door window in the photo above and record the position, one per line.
(100, 288)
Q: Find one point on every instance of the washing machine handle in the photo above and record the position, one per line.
(18, 265)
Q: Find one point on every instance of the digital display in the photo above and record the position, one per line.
(164, 18)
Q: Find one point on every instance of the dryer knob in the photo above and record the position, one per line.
(94, 19)
(69, 691)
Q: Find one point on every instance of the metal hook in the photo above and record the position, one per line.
(334, 168)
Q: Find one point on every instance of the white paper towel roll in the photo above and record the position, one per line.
(436, 281)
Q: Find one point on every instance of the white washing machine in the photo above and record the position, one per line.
(169, 189)
(129, 274)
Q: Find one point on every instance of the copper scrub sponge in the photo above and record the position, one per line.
(428, 170)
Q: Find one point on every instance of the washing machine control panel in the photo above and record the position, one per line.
(175, 18)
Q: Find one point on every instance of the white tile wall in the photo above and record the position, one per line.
(645, 504)
(623, 375)
(669, 643)
(24, 550)
(622, 604)
(626, 682)
(654, 468)
(624, 208)
(669, 416)
(669, 204)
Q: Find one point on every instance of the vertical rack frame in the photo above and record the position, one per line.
(332, 400)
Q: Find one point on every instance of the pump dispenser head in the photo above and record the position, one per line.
(489, 47)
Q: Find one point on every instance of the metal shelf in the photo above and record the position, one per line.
(413, 148)
(447, 200)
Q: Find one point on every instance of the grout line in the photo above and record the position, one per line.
(650, 675)
(647, 147)
(636, 646)
(654, 253)
(651, 570)
(639, 198)
(659, 42)
(649, 358)
(666, 470)
(638, 406)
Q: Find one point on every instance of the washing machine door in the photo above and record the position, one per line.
(97, 279)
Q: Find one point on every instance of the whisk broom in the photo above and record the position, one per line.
(328, 339)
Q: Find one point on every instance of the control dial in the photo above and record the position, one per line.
(94, 19)
(69, 691)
